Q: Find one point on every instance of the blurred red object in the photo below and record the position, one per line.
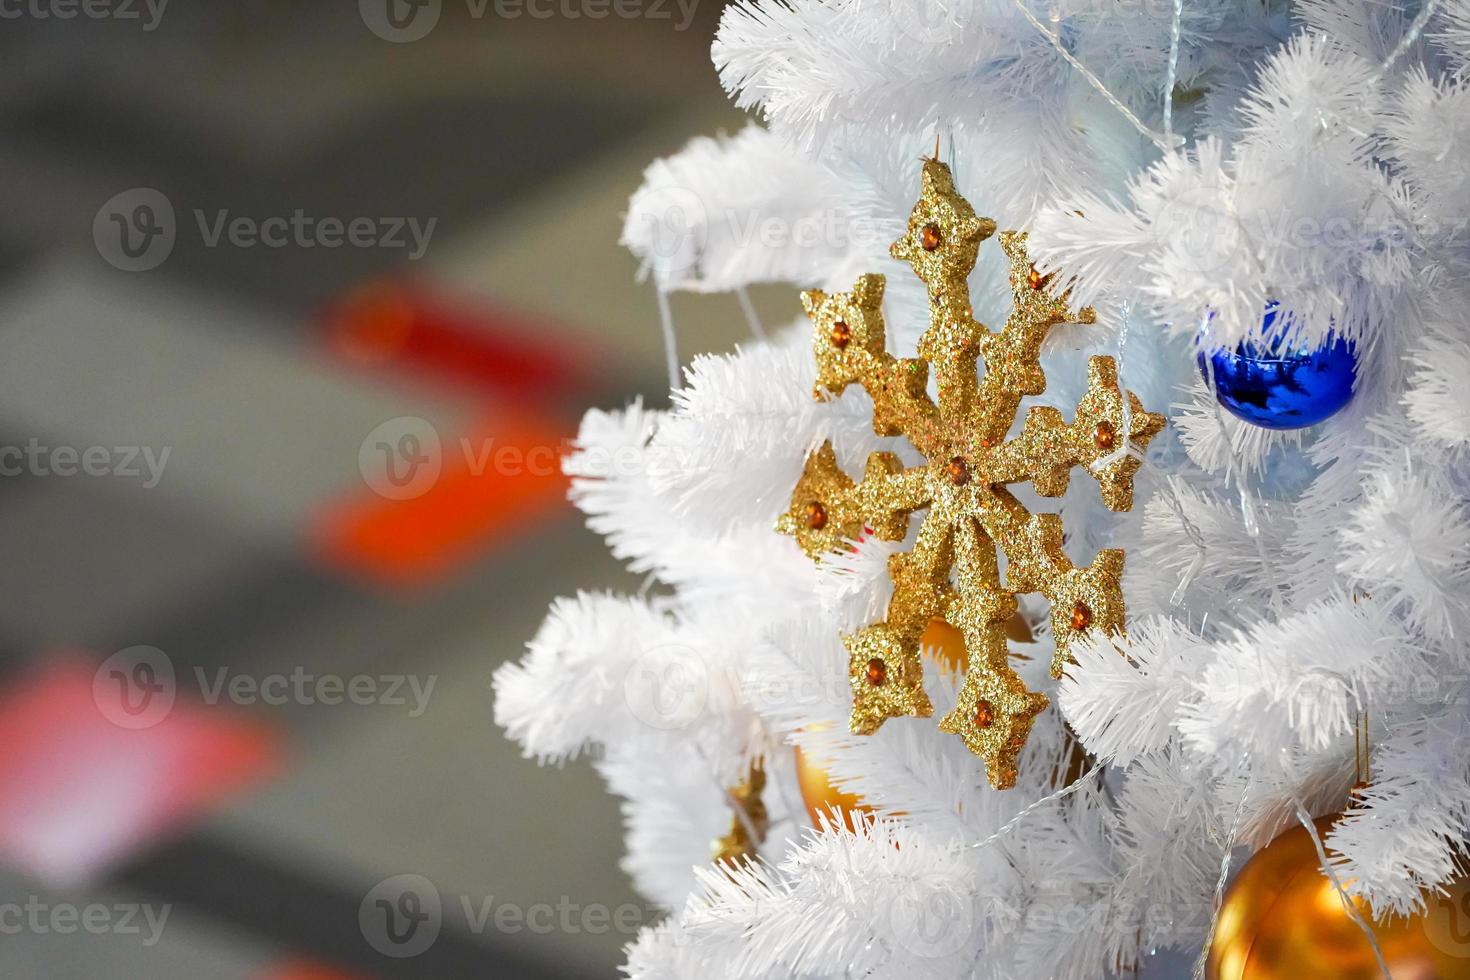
(82, 785)
(303, 970)
(490, 487)
(468, 344)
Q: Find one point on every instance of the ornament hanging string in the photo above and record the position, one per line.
(1247, 503)
(1348, 905)
(1016, 821)
(666, 323)
(1171, 76)
(788, 814)
(752, 319)
(1164, 145)
(1021, 816)
(1192, 532)
(742, 815)
(1169, 141)
(1411, 36)
(671, 351)
(1230, 838)
(1361, 751)
(1126, 448)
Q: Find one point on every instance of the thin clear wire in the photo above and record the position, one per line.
(1247, 501)
(752, 319)
(1416, 28)
(1172, 76)
(1348, 905)
(1230, 838)
(671, 349)
(1015, 821)
(1192, 532)
(1125, 317)
(1097, 83)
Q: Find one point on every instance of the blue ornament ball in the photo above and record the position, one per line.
(1282, 389)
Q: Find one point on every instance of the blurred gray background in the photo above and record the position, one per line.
(267, 547)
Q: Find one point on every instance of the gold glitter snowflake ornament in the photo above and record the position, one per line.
(953, 571)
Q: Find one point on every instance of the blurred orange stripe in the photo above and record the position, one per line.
(492, 487)
(303, 970)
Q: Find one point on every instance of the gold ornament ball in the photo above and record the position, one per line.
(942, 644)
(1282, 919)
(820, 796)
(945, 645)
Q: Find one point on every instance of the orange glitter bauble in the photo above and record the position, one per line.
(1282, 919)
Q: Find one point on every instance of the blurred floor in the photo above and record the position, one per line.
(265, 547)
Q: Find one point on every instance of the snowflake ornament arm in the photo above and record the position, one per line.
(970, 513)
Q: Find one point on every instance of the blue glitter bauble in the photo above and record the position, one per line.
(1288, 389)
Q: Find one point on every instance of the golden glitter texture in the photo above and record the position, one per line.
(737, 845)
(953, 570)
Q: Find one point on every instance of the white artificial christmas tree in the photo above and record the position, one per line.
(1182, 165)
